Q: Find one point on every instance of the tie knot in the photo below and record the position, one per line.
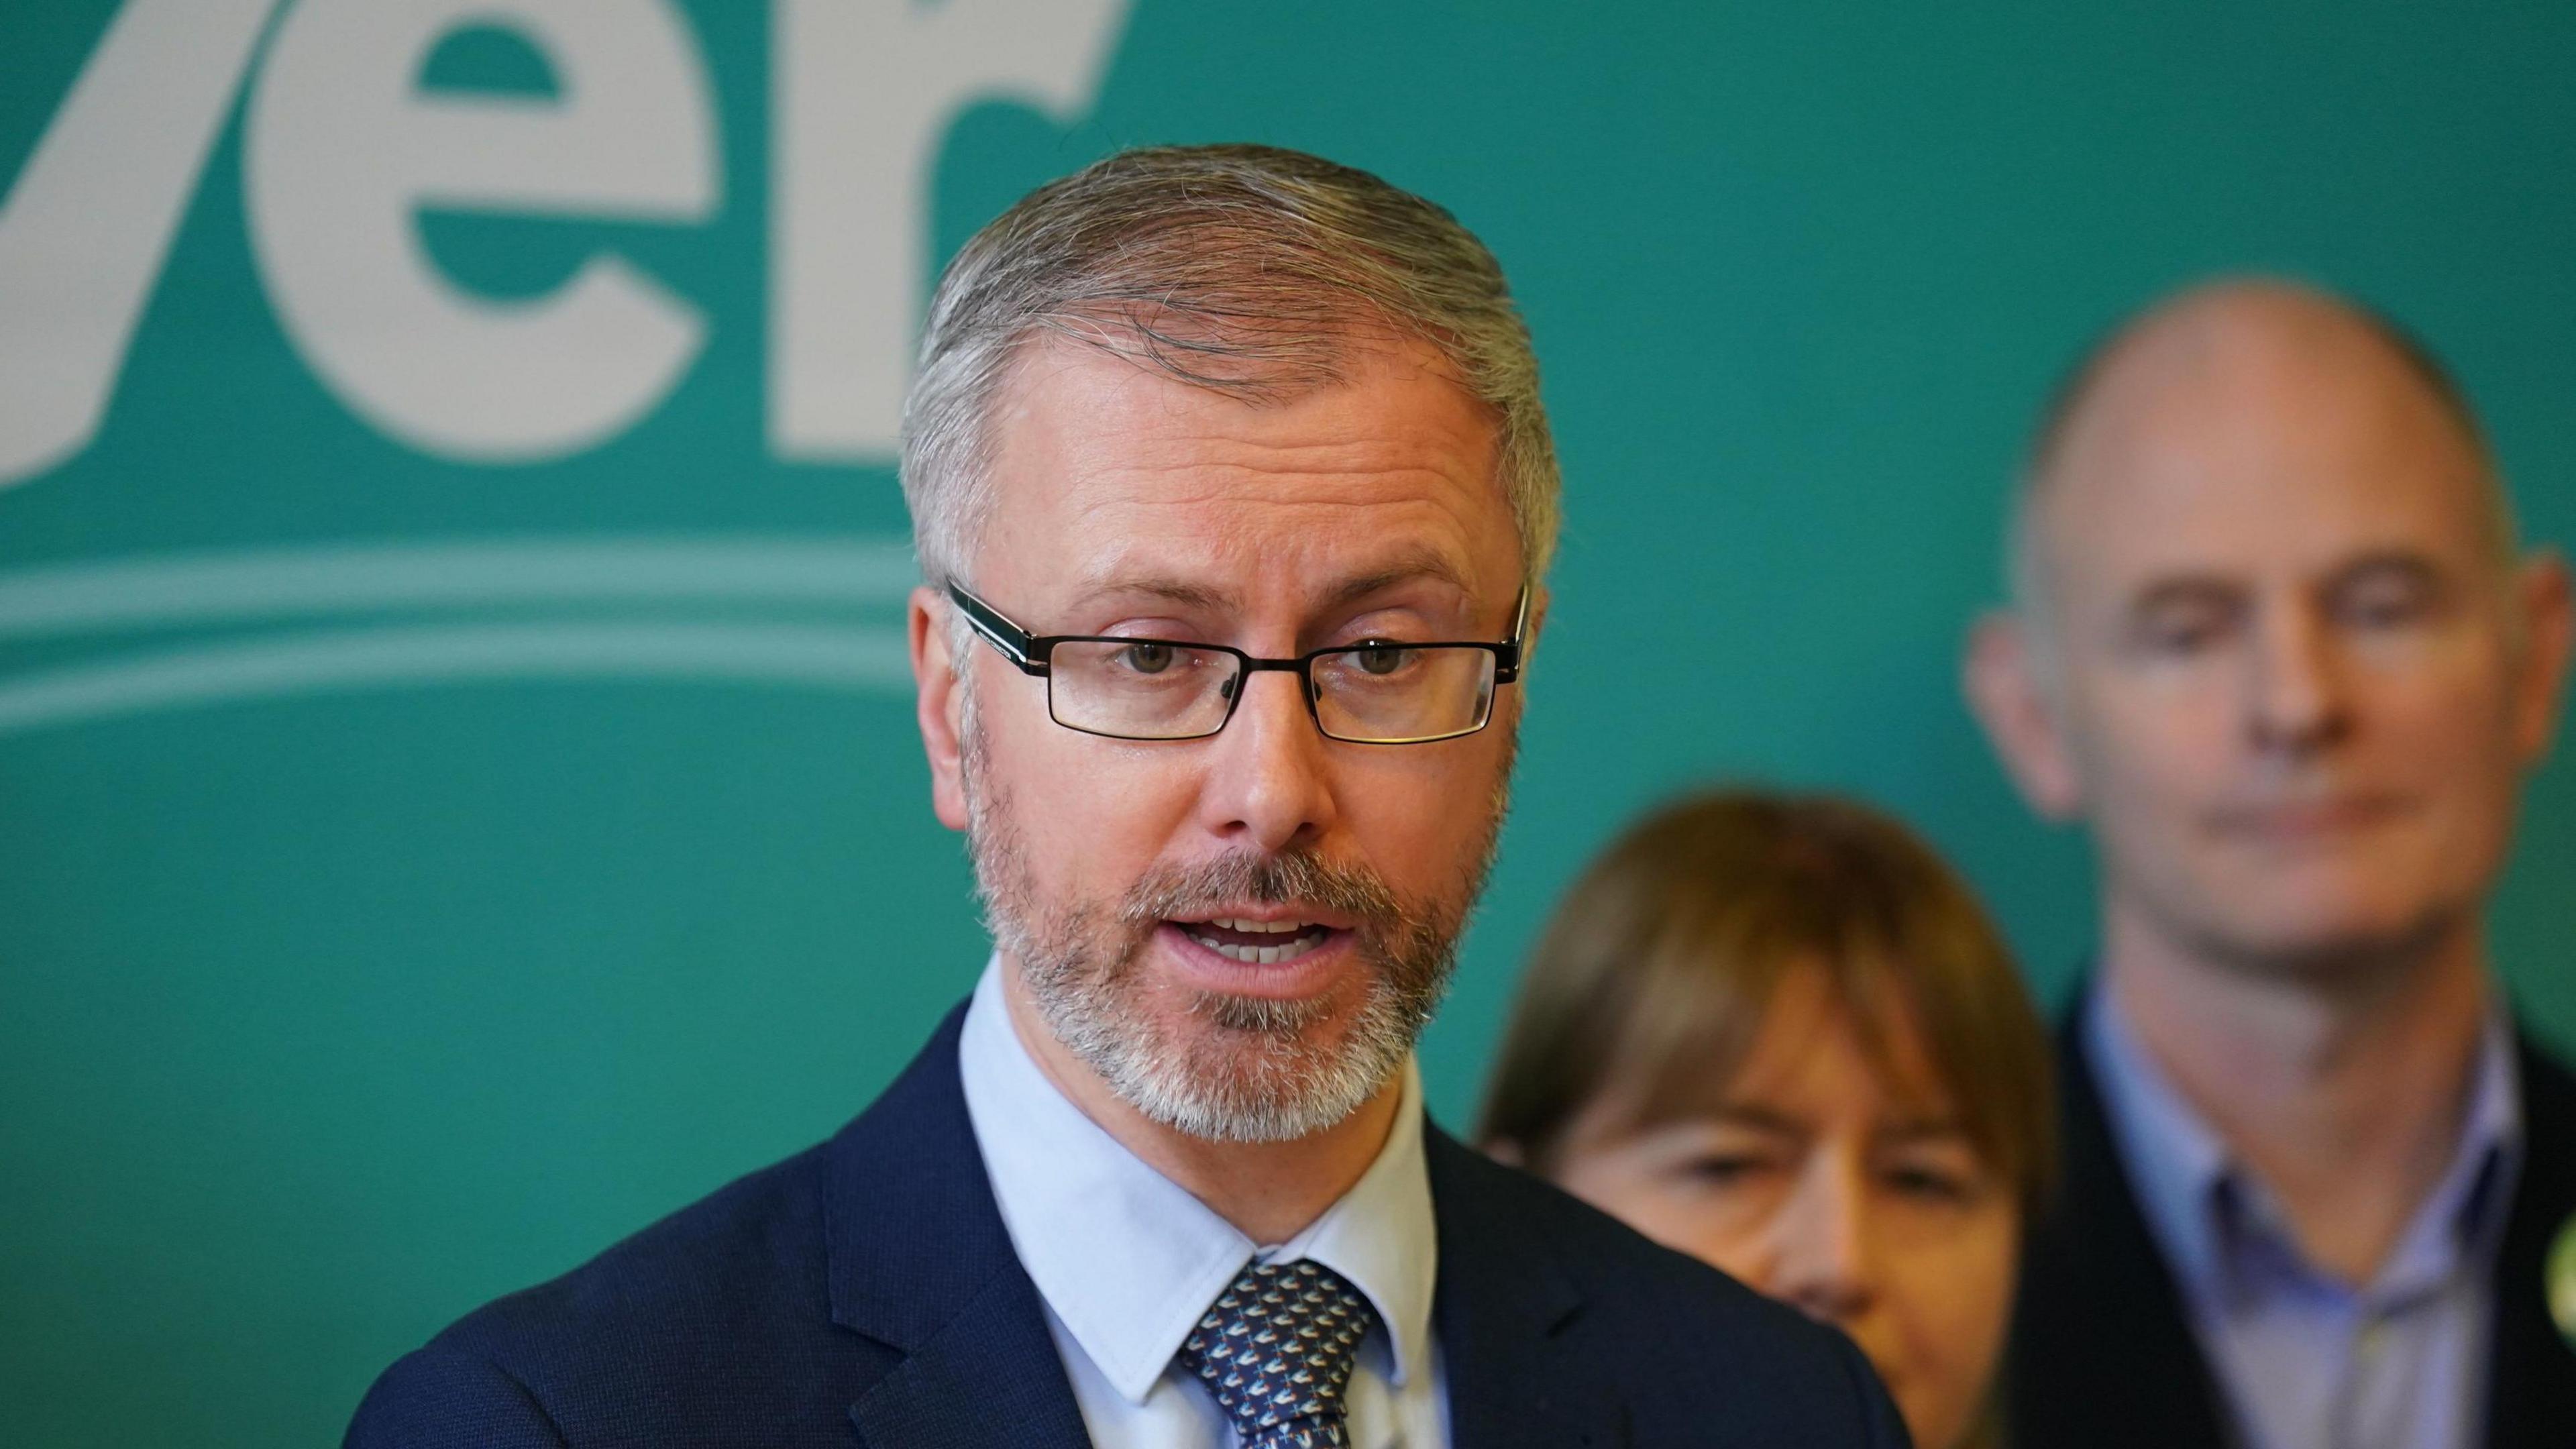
(1276, 1349)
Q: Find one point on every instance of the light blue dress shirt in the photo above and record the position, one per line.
(2304, 1360)
(1127, 1260)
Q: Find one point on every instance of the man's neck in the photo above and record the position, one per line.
(1269, 1191)
(2342, 1091)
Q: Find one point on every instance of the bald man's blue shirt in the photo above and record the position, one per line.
(2115, 1345)
(867, 1292)
(2302, 1357)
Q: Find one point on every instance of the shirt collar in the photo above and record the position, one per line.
(1128, 1260)
(2176, 1163)
(2466, 1211)
(2217, 1224)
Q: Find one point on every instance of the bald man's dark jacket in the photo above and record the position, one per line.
(865, 1292)
(2104, 1357)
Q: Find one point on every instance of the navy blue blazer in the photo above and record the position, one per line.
(865, 1292)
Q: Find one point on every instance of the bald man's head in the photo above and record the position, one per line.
(2250, 355)
(2272, 642)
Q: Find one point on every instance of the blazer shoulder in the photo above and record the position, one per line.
(2548, 1088)
(759, 1313)
(731, 1255)
(654, 1341)
(443, 1397)
(2548, 1091)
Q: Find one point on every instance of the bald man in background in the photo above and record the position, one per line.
(2274, 644)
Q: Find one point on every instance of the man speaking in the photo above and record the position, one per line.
(1233, 497)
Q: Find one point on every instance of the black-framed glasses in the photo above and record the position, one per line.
(1375, 692)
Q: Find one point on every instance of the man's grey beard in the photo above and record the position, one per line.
(1261, 1070)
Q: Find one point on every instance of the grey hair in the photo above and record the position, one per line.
(1248, 270)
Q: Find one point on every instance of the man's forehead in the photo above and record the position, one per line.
(2237, 445)
(1067, 396)
(2264, 342)
(2195, 499)
(1112, 476)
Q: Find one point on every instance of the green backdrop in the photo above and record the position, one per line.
(443, 827)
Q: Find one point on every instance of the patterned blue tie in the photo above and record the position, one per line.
(1276, 1348)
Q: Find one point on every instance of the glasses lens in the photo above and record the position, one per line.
(1390, 694)
(1139, 689)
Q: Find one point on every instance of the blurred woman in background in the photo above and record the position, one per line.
(1778, 1033)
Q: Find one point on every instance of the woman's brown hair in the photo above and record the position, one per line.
(1655, 973)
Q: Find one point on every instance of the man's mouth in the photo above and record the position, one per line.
(1257, 943)
(2305, 821)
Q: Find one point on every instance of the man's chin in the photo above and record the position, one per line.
(1254, 1067)
(2325, 942)
(1238, 1081)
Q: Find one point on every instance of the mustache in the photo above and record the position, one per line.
(1298, 878)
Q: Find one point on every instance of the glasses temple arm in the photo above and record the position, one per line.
(1015, 643)
(1507, 655)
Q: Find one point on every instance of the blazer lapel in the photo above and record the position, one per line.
(2101, 1352)
(2531, 1398)
(989, 1377)
(1501, 1305)
(922, 1264)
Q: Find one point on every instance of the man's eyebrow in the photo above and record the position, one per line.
(1413, 564)
(2184, 589)
(2203, 588)
(2407, 563)
(1170, 590)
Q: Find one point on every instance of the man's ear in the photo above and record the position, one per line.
(2548, 627)
(938, 695)
(2002, 683)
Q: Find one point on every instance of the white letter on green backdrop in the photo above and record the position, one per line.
(863, 92)
(85, 230)
(343, 148)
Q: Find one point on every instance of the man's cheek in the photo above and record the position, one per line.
(1109, 828)
(2164, 766)
(1399, 840)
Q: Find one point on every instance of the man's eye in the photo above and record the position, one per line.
(2181, 633)
(1147, 658)
(2384, 608)
(1380, 659)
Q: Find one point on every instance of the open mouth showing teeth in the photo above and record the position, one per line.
(1257, 943)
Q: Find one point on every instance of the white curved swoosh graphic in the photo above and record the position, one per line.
(843, 659)
(215, 588)
(779, 612)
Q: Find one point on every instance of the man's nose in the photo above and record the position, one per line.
(1824, 1260)
(2295, 695)
(1267, 787)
